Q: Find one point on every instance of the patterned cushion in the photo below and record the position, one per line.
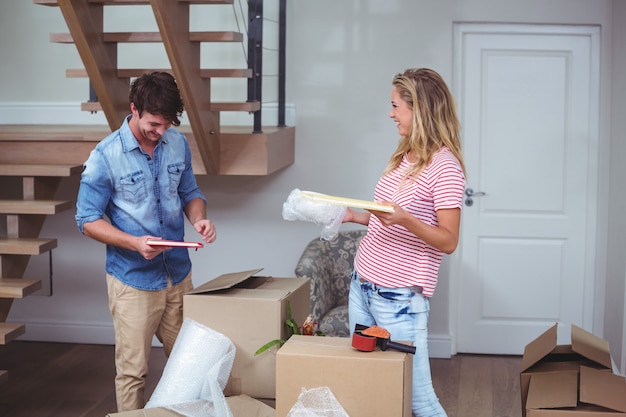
(335, 322)
(329, 265)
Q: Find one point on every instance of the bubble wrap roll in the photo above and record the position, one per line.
(196, 373)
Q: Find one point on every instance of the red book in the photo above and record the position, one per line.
(175, 243)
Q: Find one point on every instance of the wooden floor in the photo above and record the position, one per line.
(74, 380)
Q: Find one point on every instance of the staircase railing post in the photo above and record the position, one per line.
(255, 57)
(93, 98)
(282, 40)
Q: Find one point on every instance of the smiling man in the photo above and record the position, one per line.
(138, 185)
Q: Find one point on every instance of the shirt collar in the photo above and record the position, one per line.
(129, 141)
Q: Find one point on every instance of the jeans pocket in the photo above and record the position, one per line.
(404, 299)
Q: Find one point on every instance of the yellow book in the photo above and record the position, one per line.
(343, 201)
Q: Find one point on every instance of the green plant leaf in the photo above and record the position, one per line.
(291, 323)
(269, 345)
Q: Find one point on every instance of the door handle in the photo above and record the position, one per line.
(469, 201)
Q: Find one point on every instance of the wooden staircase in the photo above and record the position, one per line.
(24, 220)
(217, 149)
(35, 158)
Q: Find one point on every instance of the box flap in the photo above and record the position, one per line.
(602, 388)
(591, 346)
(553, 390)
(539, 348)
(224, 281)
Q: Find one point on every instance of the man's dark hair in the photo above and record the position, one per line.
(157, 93)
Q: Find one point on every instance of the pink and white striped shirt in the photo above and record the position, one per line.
(393, 256)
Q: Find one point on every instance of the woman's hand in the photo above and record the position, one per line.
(359, 217)
(398, 216)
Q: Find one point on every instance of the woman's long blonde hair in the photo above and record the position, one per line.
(435, 122)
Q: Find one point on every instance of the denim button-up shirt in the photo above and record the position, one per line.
(140, 195)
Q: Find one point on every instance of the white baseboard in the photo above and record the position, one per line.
(440, 346)
(65, 332)
(70, 113)
(76, 332)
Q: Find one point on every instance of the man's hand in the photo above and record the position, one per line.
(206, 228)
(149, 251)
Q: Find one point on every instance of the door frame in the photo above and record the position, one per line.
(595, 257)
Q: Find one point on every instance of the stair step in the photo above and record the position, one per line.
(241, 151)
(39, 170)
(149, 37)
(137, 72)
(10, 331)
(18, 287)
(46, 207)
(133, 2)
(26, 246)
(247, 106)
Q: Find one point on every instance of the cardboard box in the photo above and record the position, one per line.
(250, 310)
(240, 406)
(306, 362)
(601, 393)
(551, 374)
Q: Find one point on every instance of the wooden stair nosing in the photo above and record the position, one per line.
(10, 331)
(56, 133)
(18, 287)
(45, 207)
(246, 106)
(132, 2)
(26, 246)
(151, 37)
(137, 72)
(39, 170)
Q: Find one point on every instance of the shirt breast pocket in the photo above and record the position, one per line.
(175, 172)
(133, 187)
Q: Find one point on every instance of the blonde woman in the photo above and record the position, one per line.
(396, 266)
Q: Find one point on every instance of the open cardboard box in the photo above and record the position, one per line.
(250, 310)
(551, 374)
(366, 384)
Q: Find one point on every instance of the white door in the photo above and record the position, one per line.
(528, 103)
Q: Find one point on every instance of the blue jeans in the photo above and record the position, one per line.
(404, 313)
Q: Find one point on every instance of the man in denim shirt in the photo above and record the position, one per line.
(140, 178)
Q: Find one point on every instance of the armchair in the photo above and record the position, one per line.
(329, 265)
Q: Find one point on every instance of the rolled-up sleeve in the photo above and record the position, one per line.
(188, 188)
(94, 191)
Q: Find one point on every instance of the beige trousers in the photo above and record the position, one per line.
(138, 316)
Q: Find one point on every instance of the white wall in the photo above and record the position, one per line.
(341, 57)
